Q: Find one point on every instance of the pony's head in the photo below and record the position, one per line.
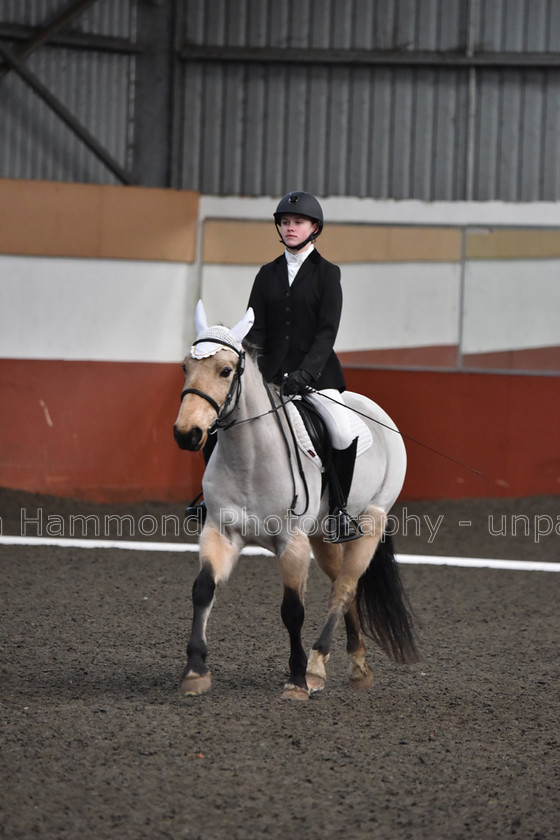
(212, 369)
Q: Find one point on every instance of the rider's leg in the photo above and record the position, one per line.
(331, 407)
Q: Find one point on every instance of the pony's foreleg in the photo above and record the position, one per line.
(294, 567)
(217, 557)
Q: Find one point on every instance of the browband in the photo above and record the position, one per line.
(215, 341)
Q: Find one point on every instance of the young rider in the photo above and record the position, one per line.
(297, 301)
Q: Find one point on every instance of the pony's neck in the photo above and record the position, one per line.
(254, 398)
(250, 436)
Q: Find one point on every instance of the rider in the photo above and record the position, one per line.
(297, 301)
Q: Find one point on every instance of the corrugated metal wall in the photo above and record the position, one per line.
(96, 86)
(425, 99)
(363, 128)
(262, 127)
(383, 133)
(518, 109)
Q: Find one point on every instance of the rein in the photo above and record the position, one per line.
(276, 409)
(233, 396)
(221, 416)
(427, 446)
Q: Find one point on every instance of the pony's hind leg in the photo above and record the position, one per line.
(329, 559)
(217, 557)
(360, 674)
(294, 567)
(345, 572)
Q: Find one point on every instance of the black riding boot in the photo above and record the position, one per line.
(343, 527)
(196, 511)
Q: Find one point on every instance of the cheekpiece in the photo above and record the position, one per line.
(213, 339)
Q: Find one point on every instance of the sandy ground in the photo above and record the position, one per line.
(97, 741)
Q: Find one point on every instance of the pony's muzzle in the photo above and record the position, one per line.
(191, 440)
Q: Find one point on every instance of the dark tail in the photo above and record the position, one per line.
(383, 608)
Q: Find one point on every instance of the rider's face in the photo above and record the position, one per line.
(295, 229)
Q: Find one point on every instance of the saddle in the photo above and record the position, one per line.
(312, 435)
(321, 446)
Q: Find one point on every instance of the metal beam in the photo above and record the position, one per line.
(43, 34)
(154, 95)
(66, 116)
(73, 39)
(289, 55)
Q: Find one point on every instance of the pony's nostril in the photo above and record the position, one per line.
(196, 436)
(188, 440)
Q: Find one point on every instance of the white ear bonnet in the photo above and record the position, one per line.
(210, 340)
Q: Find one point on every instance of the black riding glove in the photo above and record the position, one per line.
(297, 382)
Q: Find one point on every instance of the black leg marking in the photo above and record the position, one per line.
(324, 642)
(202, 595)
(293, 614)
(352, 633)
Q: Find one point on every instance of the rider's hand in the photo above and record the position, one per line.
(297, 382)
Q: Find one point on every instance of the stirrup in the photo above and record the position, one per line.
(196, 512)
(345, 527)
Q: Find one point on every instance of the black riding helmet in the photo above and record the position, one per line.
(302, 204)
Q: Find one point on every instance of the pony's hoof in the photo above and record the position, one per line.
(361, 680)
(316, 676)
(294, 692)
(194, 684)
(315, 682)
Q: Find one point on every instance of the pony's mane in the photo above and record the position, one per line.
(252, 350)
(254, 353)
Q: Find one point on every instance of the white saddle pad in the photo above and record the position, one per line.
(359, 430)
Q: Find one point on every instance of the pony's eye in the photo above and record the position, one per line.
(225, 372)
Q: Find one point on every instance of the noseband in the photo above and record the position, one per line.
(235, 388)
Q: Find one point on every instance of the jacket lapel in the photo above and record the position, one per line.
(307, 267)
(281, 270)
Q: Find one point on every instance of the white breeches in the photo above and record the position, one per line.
(330, 406)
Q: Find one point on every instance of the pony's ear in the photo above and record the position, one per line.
(200, 323)
(242, 328)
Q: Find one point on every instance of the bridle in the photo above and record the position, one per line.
(232, 396)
